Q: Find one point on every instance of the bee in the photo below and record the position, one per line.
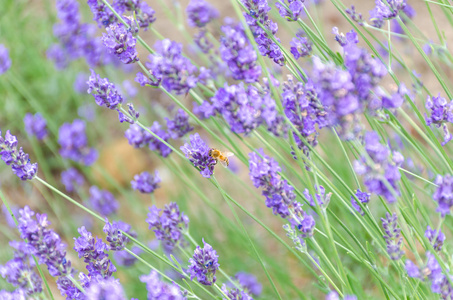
(219, 156)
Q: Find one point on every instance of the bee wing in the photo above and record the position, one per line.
(228, 154)
(223, 163)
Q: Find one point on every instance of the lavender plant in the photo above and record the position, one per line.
(340, 186)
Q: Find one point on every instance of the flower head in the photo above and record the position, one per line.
(204, 264)
(321, 198)
(5, 61)
(157, 289)
(439, 237)
(200, 13)
(106, 289)
(444, 194)
(168, 225)
(235, 293)
(71, 178)
(392, 236)
(74, 143)
(249, 283)
(16, 158)
(120, 41)
(291, 11)
(137, 136)
(441, 114)
(105, 93)
(300, 46)
(157, 145)
(197, 151)
(363, 197)
(115, 237)
(145, 182)
(103, 201)
(386, 10)
(36, 125)
(179, 126)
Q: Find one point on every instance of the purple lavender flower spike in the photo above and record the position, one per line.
(18, 294)
(392, 236)
(355, 16)
(157, 145)
(440, 238)
(93, 252)
(381, 173)
(412, 269)
(7, 216)
(145, 80)
(237, 52)
(235, 293)
(386, 10)
(363, 197)
(36, 125)
(103, 201)
(321, 198)
(101, 13)
(42, 242)
(291, 11)
(120, 41)
(74, 143)
(71, 179)
(169, 65)
(202, 41)
(249, 283)
(133, 115)
(169, 225)
(115, 237)
(197, 151)
(145, 182)
(123, 258)
(179, 126)
(137, 136)
(303, 223)
(199, 13)
(444, 194)
(258, 12)
(5, 61)
(204, 264)
(106, 289)
(20, 272)
(105, 93)
(441, 114)
(157, 289)
(300, 46)
(17, 159)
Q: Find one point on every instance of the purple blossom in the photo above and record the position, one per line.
(145, 80)
(444, 194)
(71, 178)
(249, 283)
(74, 143)
(380, 171)
(105, 289)
(392, 236)
(355, 16)
(105, 93)
(197, 151)
(115, 237)
(412, 269)
(168, 225)
(132, 116)
(235, 294)
(300, 46)
(101, 13)
(386, 10)
(93, 250)
(137, 136)
(20, 272)
(199, 13)
(291, 11)
(123, 258)
(157, 145)
(80, 83)
(169, 65)
(179, 126)
(363, 197)
(159, 290)
(7, 215)
(257, 12)
(237, 52)
(204, 264)
(120, 41)
(333, 295)
(202, 41)
(430, 234)
(16, 158)
(5, 61)
(321, 198)
(441, 114)
(103, 201)
(145, 182)
(302, 223)
(35, 125)
(44, 243)
(18, 294)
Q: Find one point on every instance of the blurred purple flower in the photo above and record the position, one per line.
(157, 289)
(199, 13)
(392, 236)
(179, 126)
(363, 197)
(249, 283)
(71, 178)
(5, 61)
(291, 11)
(386, 10)
(74, 143)
(235, 293)
(105, 93)
(440, 114)
(321, 198)
(36, 125)
(103, 201)
(444, 194)
(145, 182)
(157, 145)
(433, 233)
(137, 136)
(105, 289)
(300, 46)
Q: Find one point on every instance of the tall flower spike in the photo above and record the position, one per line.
(74, 143)
(137, 136)
(157, 289)
(204, 264)
(179, 126)
(120, 41)
(438, 235)
(103, 201)
(444, 194)
(71, 178)
(5, 61)
(36, 125)
(363, 198)
(249, 283)
(291, 11)
(104, 92)
(108, 289)
(145, 182)
(386, 10)
(197, 151)
(235, 293)
(321, 198)
(300, 46)
(16, 158)
(200, 13)
(392, 236)
(168, 225)
(157, 145)
(441, 113)
(115, 237)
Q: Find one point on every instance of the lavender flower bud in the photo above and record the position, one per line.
(71, 178)
(441, 114)
(363, 198)
(5, 61)
(392, 236)
(157, 289)
(293, 10)
(199, 13)
(103, 201)
(74, 143)
(249, 283)
(204, 264)
(120, 41)
(108, 289)
(440, 238)
(115, 237)
(145, 182)
(444, 194)
(36, 125)
(104, 92)
(197, 151)
(179, 126)
(235, 293)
